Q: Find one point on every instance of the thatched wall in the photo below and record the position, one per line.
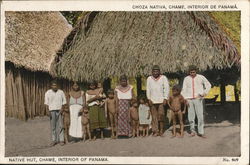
(116, 43)
(33, 38)
(25, 90)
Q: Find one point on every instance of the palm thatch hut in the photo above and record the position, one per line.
(32, 40)
(106, 44)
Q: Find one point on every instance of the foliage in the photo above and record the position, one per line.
(230, 22)
(72, 16)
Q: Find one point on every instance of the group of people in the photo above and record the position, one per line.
(128, 116)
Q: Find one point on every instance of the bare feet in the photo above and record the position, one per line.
(52, 144)
(180, 136)
(61, 143)
(202, 136)
(155, 134)
(192, 134)
(161, 134)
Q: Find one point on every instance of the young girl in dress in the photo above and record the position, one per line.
(144, 116)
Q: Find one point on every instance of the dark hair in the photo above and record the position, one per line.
(192, 67)
(143, 97)
(156, 67)
(93, 82)
(123, 77)
(177, 88)
(133, 101)
(77, 83)
(110, 91)
(54, 82)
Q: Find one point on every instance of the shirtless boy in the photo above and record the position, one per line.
(110, 109)
(134, 117)
(85, 124)
(176, 102)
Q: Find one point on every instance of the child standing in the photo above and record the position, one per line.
(110, 109)
(85, 124)
(134, 118)
(144, 116)
(176, 102)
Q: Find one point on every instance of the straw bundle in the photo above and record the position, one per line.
(116, 43)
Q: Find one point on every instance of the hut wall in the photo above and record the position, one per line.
(25, 91)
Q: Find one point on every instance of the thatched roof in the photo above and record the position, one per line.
(109, 44)
(33, 38)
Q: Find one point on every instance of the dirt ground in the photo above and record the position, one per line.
(32, 138)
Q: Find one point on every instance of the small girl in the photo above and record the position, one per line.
(144, 116)
(134, 118)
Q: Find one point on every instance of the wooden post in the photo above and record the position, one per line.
(236, 93)
(106, 85)
(223, 91)
(139, 86)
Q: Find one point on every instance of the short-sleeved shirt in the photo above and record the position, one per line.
(55, 100)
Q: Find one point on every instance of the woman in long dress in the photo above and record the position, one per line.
(77, 101)
(123, 95)
(96, 110)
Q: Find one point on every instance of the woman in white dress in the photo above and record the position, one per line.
(77, 101)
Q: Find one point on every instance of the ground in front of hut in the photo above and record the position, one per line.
(32, 138)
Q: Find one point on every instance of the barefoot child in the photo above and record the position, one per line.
(176, 101)
(85, 124)
(134, 118)
(144, 116)
(110, 109)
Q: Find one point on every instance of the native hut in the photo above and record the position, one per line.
(106, 44)
(32, 40)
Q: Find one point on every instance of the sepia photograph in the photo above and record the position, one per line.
(126, 84)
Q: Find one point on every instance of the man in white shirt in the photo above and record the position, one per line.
(195, 88)
(157, 94)
(54, 100)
